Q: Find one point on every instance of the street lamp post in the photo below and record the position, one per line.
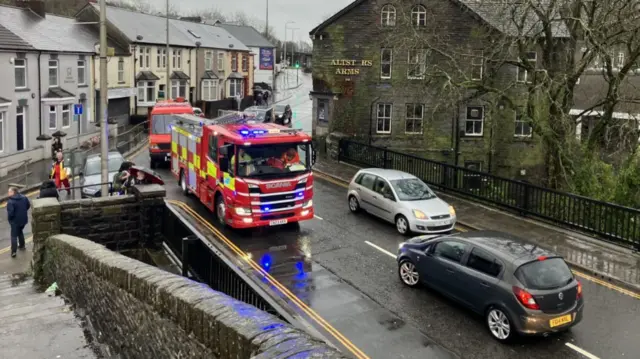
(286, 27)
(104, 128)
(168, 89)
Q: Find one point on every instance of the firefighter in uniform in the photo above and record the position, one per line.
(59, 173)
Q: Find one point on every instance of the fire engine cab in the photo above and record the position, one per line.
(249, 174)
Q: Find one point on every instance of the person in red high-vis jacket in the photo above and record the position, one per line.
(59, 174)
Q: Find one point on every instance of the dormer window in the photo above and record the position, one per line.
(193, 34)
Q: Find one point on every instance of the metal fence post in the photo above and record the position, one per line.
(185, 254)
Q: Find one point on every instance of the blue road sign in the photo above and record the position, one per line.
(77, 109)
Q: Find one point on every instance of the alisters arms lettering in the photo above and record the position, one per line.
(350, 63)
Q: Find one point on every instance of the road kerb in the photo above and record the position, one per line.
(613, 280)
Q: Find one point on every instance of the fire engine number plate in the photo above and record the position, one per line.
(277, 222)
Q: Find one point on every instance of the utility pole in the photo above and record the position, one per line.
(168, 89)
(266, 28)
(104, 124)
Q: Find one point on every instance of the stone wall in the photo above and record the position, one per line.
(140, 311)
(117, 222)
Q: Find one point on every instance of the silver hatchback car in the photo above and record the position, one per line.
(400, 198)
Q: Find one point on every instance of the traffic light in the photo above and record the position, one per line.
(297, 65)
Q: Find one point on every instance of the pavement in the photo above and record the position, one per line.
(341, 266)
(34, 325)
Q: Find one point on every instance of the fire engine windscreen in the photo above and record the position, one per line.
(272, 161)
(161, 124)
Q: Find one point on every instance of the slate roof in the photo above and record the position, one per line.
(9, 40)
(236, 75)
(181, 33)
(179, 75)
(4, 100)
(502, 17)
(210, 75)
(51, 33)
(146, 76)
(58, 92)
(248, 35)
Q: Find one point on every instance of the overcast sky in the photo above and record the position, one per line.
(307, 14)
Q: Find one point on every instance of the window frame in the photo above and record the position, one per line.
(220, 61)
(527, 78)
(384, 118)
(57, 72)
(208, 58)
(55, 117)
(478, 55)
(245, 63)
(178, 88)
(467, 120)
(21, 111)
(234, 62)
(25, 77)
(477, 252)
(462, 258)
(388, 16)
(418, 12)
(233, 84)
(620, 59)
(65, 111)
(209, 84)
(213, 146)
(420, 59)
(383, 62)
(144, 57)
(518, 119)
(414, 119)
(146, 86)
(121, 70)
(82, 69)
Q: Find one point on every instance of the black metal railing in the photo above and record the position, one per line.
(607, 220)
(93, 190)
(203, 262)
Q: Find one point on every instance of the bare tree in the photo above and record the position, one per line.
(529, 56)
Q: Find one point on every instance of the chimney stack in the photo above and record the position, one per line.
(37, 6)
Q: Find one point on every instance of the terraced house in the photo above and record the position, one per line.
(158, 73)
(410, 74)
(46, 69)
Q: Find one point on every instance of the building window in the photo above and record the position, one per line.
(323, 109)
(417, 61)
(20, 66)
(177, 59)
(413, 120)
(21, 121)
(121, 70)
(161, 58)
(384, 118)
(53, 118)
(144, 57)
(236, 87)
(221, 61)
(146, 91)
(388, 15)
(82, 72)
(477, 66)
(2, 116)
(234, 62)
(66, 116)
(208, 60)
(419, 15)
(386, 58)
(178, 88)
(620, 59)
(162, 91)
(53, 73)
(474, 122)
(245, 63)
(209, 90)
(523, 75)
(523, 125)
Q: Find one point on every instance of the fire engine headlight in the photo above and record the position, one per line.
(243, 211)
(308, 204)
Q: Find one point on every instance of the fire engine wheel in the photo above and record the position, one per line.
(221, 210)
(183, 183)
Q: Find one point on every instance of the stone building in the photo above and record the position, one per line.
(383, 72)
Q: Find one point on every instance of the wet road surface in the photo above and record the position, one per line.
(337, 265)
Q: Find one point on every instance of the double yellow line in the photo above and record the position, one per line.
(462, 229)
(241, 254)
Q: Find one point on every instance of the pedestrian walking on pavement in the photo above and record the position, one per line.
(18, 216)
(48, 190)
(59, 174)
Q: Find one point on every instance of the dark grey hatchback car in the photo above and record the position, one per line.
(517, 287)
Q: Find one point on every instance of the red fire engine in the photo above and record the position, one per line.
(249, 174)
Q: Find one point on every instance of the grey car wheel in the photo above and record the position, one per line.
(408, 273)
(402, 225)
(499, 324)
(354, 205)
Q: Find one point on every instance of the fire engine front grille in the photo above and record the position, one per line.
(164, 146)
(271, 198)
(280, 206)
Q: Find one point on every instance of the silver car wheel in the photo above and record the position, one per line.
(402, 225)
(498, 324)
(353, 204)
(409, 274)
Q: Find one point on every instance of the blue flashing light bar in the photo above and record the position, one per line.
(265, 262)
(252, 132)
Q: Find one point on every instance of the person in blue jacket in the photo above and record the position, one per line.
(18, 216)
